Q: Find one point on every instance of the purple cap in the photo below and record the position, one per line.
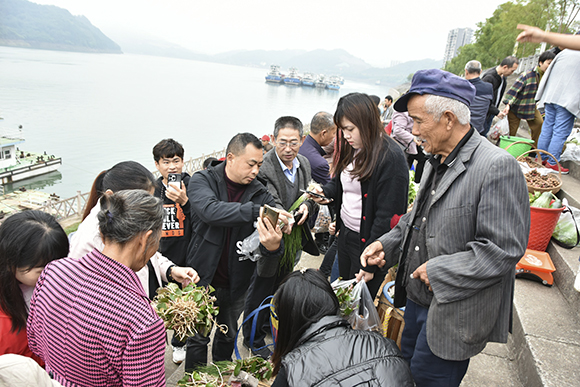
(438, 82)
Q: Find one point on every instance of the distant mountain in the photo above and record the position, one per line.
(26, 24)
(328, 62)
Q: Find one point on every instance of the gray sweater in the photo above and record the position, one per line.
(561, 83)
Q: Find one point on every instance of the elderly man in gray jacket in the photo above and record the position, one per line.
(458, 247)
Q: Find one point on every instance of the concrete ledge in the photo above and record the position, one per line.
(566, 263)
(546, 337)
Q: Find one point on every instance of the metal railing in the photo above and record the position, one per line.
(62, 209)
(528, 63)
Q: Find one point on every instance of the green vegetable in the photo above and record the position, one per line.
(556, 204)
(213, 373)
(413, 188)
(543, 201)
(534, 196)
(345, 300)
(292, 241)
(565, 230)
(187, 311)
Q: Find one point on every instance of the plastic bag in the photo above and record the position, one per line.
(364, 316)
(249, 248)
(322, 221)
(501, 128)
(566, 231)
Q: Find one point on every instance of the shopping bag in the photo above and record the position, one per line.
(362, 314)
(322, 221)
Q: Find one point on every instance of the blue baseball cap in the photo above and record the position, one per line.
(438, 82)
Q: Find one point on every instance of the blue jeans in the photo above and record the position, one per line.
(556, 129)
(427, 369)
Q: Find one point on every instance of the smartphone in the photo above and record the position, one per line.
(317, 195)
(174, 180)
(270, 213)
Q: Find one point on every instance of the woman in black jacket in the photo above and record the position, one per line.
(315, 346)
(370, 185)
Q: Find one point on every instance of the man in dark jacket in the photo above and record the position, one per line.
(285, 173)
(322, 132)
(497, 77)
(483, 95)
(225, 201)
(176, 234)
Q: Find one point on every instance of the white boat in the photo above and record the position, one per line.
(16, 165)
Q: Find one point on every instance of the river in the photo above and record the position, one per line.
(95, 110)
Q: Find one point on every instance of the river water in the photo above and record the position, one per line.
(95, 110)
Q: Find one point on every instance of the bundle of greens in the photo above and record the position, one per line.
(292, 241)
(544, 200)
(345, 299)
(413, 188)
(213, 374)
(187, 311)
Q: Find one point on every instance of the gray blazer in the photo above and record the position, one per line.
(275, 180)
(478, 221)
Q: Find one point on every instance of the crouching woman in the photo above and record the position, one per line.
(316, 347)
(90, 318)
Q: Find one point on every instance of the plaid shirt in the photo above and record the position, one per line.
(522, 95)
(91, 322)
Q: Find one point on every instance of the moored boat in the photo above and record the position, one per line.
(274, 75)
(292, 78)
(320, 82)
(308, 79)
(16, 165)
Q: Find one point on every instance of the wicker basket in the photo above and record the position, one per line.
(532, 189)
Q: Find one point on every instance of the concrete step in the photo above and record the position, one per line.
(546, 336)
(566, 263)
(574, 168)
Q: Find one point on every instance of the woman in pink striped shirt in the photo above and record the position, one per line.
(90, 319)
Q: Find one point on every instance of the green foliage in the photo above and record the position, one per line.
(496, 37)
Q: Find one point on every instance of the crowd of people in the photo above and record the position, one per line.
(81, 308)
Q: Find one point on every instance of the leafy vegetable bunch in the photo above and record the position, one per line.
(544, 200)
(345, 300)
(413, 188)
(213, 374)
(187, 311)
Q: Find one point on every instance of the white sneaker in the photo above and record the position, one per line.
(178, 354)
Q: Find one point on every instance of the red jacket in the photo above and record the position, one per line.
(14, 342)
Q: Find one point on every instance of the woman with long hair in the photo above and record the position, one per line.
(90, 318)
(126, 175)
(370, 186)
(29, 240)
(315, 346)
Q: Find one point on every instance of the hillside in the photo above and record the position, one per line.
(30, 25)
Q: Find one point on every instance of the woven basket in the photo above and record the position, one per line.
(532, 189)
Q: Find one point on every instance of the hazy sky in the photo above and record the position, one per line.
(376, 31)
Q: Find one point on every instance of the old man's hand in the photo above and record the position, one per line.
(373, 255)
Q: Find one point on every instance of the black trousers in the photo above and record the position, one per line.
(421, 158)
(223, 344)
(349, 252)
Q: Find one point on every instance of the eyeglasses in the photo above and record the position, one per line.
(284, 144)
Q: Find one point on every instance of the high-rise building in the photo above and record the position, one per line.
(456, 38)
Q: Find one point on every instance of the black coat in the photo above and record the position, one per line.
(496, 80)
(212, 215)
(331, 353)
(384, 194)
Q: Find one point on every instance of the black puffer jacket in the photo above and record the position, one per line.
(331, 353)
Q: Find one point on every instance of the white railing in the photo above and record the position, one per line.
(75, 205)
(62, 209)
(193, 165)
(528, 63)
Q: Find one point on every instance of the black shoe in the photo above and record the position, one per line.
(264, 352)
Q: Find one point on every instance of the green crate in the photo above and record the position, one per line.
(523, 145)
